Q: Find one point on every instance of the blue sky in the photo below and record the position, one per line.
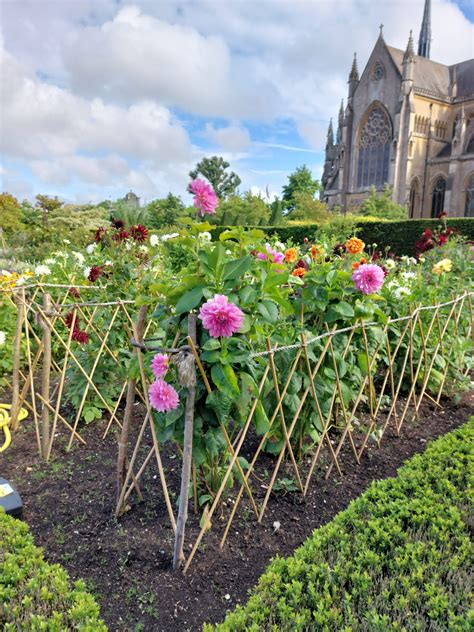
(101, 96)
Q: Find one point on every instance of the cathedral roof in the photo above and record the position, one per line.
(436, 78)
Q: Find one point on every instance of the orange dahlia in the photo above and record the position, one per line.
(356, 264)
(291, 255)
(354, 245)
(316, 250)
(299, 272)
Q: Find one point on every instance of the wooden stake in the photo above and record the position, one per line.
(128, 415)
(187, 378)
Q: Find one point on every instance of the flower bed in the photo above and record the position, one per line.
(398, 558)
(35, 595)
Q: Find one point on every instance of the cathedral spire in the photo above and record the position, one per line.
(425, 34)
(354, 74)
(330, 140)
(340, 123)
(409, 52)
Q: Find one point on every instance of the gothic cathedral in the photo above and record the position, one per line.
(408, 123)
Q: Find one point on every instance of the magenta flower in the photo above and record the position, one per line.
(272, 255)
(163, 397)
(220, 317)
(205, 200)
(368, 278)
(160, 365)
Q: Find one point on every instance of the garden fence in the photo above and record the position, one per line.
(404, 363)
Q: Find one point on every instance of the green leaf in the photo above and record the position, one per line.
(211, 344)
(189, 300)
(225, 379)
(269, 311)
(339, 311)
(260, 419)
(236, 268)
(248, 294)
(363, 363)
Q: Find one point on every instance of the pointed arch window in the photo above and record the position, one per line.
(374, 148)
(414, 203)
(469, 210)
(437, 197)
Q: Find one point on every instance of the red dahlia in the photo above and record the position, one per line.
(121, 235)
(139, 232)
(100, 234)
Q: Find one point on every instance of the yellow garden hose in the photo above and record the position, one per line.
(5, 421)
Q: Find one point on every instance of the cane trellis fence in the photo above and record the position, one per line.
(404, 363)
(325, 398)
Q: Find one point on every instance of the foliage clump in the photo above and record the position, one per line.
(399, 558)
(35, 595)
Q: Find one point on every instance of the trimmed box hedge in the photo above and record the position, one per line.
(398, 558)
(400, 235)
(35, 595)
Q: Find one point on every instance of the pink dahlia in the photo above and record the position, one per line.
(160, 364)
(220, 317)
(368, 278)
(272, 255)
(163, 397)
(205, 200)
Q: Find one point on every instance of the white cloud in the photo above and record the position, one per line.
(91, 88)
(233, 138)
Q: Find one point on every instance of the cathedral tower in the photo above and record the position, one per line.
(425, 34)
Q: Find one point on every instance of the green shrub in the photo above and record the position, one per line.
(398, 235)
(398, 558)
(35, 595)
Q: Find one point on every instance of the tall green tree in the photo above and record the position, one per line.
(381, 205)
(309, 208)
(10, 213)
(47, 205)
(276, 210)
(301, 181)
(165, 211)
(246, 210)
(215, 171)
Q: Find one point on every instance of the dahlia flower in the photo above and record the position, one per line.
(354, 245)
(117, 223)
(3, 338)
(291, 255)
(272, 255)
(100, 234)
(90, 248)
(80, 336)
(42, 270)
(205, 200)
(400, 292)
(220, 317)
(139, 232)
(299, 272)
(445, 265)
(368, 278)
(154, 240)
(316, 250)
(159, 365)
(79, 257)
(95, 272)
(163, 397)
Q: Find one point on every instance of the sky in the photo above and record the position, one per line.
(102, 96)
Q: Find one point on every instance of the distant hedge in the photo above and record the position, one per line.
(35, 595)
(400, 235)
(398, 558)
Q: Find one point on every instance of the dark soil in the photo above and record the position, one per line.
(126, 563)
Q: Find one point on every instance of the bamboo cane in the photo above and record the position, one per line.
(15, 409)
